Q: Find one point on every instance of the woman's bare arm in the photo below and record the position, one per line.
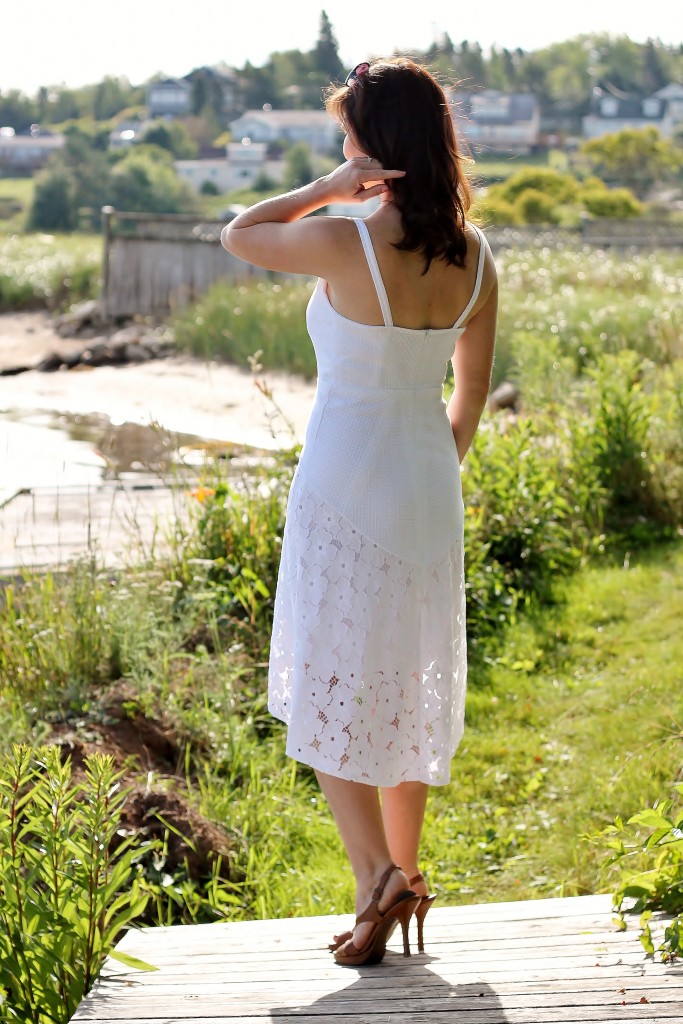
(472, 365)
(278, 235)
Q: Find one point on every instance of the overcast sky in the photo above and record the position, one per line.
(46, 42)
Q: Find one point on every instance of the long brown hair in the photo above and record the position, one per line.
(398, 113)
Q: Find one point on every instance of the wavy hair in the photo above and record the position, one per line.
(399, 114)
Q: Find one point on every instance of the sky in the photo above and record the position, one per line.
(75, 42)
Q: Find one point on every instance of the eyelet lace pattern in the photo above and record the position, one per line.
(368, 658)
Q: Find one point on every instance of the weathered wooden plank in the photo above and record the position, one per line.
(361, 997)
(435, 940)
(311, 1015)
(550, 960)
(552, 909)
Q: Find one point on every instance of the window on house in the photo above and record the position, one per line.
(651, 107)
(609, 106)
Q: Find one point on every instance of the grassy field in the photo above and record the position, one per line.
(16, 197)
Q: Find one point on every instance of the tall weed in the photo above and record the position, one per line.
(67, 881)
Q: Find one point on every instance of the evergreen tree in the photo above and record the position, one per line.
(326, 51)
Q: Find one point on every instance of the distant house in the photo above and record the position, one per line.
(497, 121)
(26, 153)
(314, 127)
(240, 167)
(172, 97)
(614, 111)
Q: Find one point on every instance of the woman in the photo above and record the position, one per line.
(368, 655)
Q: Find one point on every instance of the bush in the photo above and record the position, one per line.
(209, 188)
(615, 202)
(67, 881)
(534, 207)
(561, 188)
(518, 535)
(496, 211)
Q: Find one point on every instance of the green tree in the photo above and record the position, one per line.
(636, 158)
(17, 111)
(172, 136)
(298, 166)
(144, 185)
(326, 51)
(54, 202)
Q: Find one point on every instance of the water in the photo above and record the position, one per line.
(40, 449)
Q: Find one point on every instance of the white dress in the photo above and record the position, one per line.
(368, 658)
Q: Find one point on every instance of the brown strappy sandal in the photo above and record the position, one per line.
(421, 911)
(400, 911)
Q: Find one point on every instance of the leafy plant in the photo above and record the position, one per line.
(67, 881)
(652, 840)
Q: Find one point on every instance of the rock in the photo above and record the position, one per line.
(78, 316)
(102, 354)
(506, 396)
(128, 335)
(72, 358)
(138, 353)
(51, 362)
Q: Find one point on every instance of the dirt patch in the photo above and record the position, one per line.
(152, 755)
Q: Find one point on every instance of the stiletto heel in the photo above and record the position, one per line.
(421, 912)
(400, 911)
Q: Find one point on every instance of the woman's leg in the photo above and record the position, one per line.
(358, 815)
(403, 810)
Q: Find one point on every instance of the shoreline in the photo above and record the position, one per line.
(216, 401)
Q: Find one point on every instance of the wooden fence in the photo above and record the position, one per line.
(154, 263)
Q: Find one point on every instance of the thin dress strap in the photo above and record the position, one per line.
(477, 282)
(374, 270)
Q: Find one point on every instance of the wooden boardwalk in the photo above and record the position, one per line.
(51, 526)
(525, 963)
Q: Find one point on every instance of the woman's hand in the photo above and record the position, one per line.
(358, 179)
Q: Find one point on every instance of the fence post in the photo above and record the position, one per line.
(107, 214)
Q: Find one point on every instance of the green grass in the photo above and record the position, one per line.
(48, 270)
(15, 192)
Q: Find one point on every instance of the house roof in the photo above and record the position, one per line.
(672, 91)
(176, 83)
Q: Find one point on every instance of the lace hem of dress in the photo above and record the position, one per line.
(368, 658)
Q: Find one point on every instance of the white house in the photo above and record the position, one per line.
(497, 121)
(240, 168)
(314, 127)
(20, 154)
(613, 111)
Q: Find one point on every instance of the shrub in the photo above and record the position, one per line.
(561, 188)
(615, 202)
(534, 207)
(491, 209)
(54, 206)
(518, 535)
(209, 188)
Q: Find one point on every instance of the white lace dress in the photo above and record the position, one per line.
(368, 657)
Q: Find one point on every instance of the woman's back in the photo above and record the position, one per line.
(418, 301)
